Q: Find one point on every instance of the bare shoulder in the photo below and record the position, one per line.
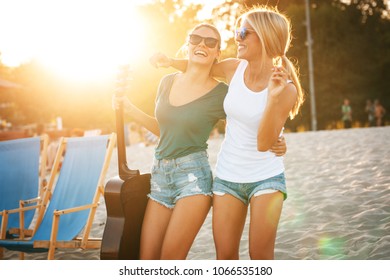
(230, 61)
(230, 64)
(225, 68)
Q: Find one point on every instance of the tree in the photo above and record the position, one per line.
(351, 59)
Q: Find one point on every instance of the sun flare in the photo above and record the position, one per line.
(76, 40)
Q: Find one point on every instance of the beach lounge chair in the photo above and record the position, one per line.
(22, 179)
(72, 202)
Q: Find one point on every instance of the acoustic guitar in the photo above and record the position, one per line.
(125, 197)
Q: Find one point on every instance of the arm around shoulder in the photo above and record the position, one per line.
(161, 60)
(225, 68)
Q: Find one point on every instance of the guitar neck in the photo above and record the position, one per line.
(125, 172)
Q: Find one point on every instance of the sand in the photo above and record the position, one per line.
(338, 204)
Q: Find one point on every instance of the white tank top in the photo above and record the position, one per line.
(239, 160)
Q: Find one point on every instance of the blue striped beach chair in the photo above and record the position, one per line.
(69, 204)
(22, 177)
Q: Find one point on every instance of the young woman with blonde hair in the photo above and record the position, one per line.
(264, 90)
(188, 105)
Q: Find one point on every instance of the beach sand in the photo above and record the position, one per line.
(338, 204)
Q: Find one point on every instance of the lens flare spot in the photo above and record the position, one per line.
(331, 247)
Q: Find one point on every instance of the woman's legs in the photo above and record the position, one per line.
(154, 226)
(265, 211)
(186, 220)
(183, 186)
(229, 215)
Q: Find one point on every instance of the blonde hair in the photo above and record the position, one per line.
(274, 31)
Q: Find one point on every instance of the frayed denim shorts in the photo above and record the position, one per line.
(245, 191)
(173, 179)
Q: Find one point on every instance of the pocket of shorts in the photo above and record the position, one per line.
(194, 164)
(154, 169)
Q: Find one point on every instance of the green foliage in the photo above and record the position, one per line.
(349, 56)
(351, 60)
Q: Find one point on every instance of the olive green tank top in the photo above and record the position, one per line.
(185, 129)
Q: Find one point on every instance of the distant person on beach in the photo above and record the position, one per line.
(346, 112)
(262, 94)
(370, 110)
(188, 105)
(380, 112)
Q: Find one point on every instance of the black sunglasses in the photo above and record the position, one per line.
(243, 32)
(208, 41)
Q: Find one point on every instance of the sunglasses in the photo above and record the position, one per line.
(243, 32)
(208, 41)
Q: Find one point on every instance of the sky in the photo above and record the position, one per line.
(59, 32)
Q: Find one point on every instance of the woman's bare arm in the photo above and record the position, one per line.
(149, 122)
(223, 69)
(279, 148)
(281, 99)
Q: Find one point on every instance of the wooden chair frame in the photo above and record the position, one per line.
(85, 242)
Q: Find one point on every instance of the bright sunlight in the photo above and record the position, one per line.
(77, 40)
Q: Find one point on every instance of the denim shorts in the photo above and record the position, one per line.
(245, 191)
(173, 179)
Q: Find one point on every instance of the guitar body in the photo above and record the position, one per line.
(126, 203)
(126, 199)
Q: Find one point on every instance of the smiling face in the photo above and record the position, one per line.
(248, 43)
(203, 45)
(268, 36)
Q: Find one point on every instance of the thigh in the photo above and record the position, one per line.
(153, 231)
(186, 220)
(160, 189)
(229, 214)
(265, 211)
